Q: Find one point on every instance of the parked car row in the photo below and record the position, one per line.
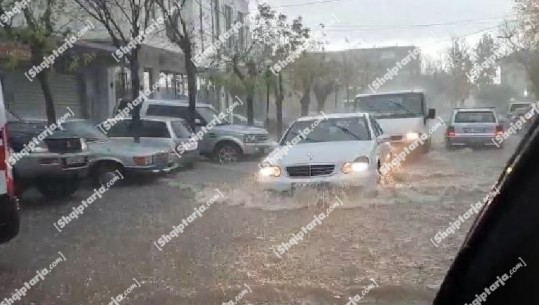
(58, 162)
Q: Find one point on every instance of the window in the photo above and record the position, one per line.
(168, 111)
(475, 117)
(380, 130)
(147, 80)
(181, 129)
(120, 129)
(153, 129)
(330, 130)
(377, 130)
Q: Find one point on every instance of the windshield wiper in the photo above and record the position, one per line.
(346, 130)
(295, 133)
(400, 106)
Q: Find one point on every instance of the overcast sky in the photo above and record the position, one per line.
(368, 23)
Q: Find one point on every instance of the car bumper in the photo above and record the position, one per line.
(258, 148)
(471, 141)
(152, 169)
(45, 164)
(339, 180)
(187, 158)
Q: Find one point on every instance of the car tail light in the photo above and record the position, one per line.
(499, 130)
(450, 131)
(4, 156)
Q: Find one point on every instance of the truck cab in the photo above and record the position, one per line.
(402, 115)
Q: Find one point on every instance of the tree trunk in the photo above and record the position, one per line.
(267, 102)
(43, 78)
(250, 106)
(191, 85)
(135, 91)
(305, 101)
(279, 97)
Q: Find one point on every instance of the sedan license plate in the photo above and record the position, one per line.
(309, 185)
(75, 160)
(474, 130)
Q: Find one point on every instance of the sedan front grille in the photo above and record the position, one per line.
(162, 158)
(64, 145)
(396, 138)
(310, 170)
(261, 137)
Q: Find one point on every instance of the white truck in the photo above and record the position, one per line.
(403, 115)
(9, 208)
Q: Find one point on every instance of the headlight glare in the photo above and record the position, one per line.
(411, 136)
(273, 171)
(359, 165)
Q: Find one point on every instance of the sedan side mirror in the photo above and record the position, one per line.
(383, 138)
(432, 114)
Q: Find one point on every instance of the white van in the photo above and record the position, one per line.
(9, 209)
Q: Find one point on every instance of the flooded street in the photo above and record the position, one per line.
(232, 244)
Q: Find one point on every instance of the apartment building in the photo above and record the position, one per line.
(93, 89)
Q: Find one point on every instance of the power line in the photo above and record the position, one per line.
(311, 3)
(366, 27)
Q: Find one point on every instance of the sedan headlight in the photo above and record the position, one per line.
(142, 160)
(250, 138)
(270, 171)
(361, 164)
(411, 136)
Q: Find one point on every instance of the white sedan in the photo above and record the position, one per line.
(344, 150)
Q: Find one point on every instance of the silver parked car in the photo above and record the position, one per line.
(112, 155)
(473, 127)
(156, 132)
(55, 166)
(224, 142)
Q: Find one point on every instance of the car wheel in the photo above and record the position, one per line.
(104, 172)
(57, 188)
(227, 153)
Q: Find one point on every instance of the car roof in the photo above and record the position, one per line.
(475, 109)
(152, 118)
(178, 102)
(419, 91)
(333, 116)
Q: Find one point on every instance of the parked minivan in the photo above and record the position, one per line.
(224, 142)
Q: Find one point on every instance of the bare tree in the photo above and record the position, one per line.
(459, 66)
(127, 23)
(181, 31)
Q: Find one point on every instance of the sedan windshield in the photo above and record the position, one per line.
(330, 130)
(394, 105)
